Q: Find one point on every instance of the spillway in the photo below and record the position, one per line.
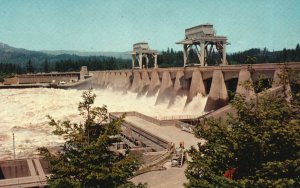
(23, 112)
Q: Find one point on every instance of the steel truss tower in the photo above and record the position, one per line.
(141, 50)
(204, 38)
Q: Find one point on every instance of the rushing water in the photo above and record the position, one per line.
(23, 112)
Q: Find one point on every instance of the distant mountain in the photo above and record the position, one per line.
(122, 55)
(9, 54)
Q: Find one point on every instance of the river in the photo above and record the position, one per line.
(23, 112)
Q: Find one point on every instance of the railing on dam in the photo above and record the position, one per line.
(177, 117)
(264, 66)
(154, 141)
(158, 120)
(137, 114)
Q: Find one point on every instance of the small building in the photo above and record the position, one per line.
(142, 51)
(83, 72)
(54, 77)
(204, 30)
(204, 37)
(141, 46)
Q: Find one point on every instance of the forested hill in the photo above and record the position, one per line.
(20, 56)
(19, 61)
(16, 60)
(13, 55)
(265, 56)
(171, 58)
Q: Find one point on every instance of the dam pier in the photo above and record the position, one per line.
(213, 82)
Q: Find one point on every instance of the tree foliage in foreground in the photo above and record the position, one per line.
(87, 159)
(260, 146)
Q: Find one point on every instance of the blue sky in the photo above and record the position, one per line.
(114, 25)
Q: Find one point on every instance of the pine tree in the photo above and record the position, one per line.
(29, 67)
(259, 147)
(46, 68)
(87, 159)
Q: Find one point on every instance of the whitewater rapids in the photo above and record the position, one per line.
(23, 112)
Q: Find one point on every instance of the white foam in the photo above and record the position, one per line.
(23, 112)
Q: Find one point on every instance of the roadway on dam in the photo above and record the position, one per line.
(167, 132)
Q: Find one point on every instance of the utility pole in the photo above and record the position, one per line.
(14, 148)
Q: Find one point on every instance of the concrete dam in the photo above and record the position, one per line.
(213, 82)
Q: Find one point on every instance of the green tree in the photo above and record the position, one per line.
(251, 60)
(259, 147)
(87, 158)
(46, 66)
(29, 67)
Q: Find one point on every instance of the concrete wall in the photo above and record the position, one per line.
(167, 83)
(29, 172)
(46, 79)
(42, 78)
(9, 81)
